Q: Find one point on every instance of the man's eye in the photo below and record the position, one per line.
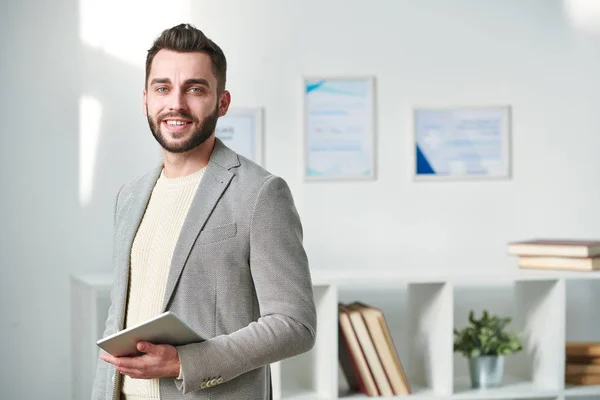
(196, 90)
(161, 89)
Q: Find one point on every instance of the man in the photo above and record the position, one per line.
(209, 235)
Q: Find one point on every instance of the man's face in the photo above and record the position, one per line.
(181, 101)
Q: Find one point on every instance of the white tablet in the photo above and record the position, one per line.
(165, 328)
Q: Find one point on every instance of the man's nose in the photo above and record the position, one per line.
(177, 100)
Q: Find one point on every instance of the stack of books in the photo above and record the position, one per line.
(367, 354)
(582, 363)
(563, 254)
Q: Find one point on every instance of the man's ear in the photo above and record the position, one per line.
(224, 101)
(144, 104)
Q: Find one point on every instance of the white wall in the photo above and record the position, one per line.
(522, 53)
(53, 54)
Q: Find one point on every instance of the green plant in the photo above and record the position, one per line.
(486, 337)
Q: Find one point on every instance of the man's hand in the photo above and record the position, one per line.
(160, 361)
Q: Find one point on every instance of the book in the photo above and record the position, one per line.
(566, 263)
(352, 360)
(582, 379)
(583, 349)
(382, 339)
(582, 369)
(582, 360)
(555, 247)
(368, 348)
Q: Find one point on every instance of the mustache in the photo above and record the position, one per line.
(174, 114)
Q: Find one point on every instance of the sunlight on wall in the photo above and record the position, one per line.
(584, 14)
(90, 115)
(125, 29)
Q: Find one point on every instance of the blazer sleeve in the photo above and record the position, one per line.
(287, 323)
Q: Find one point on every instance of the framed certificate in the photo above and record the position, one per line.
(241, 129)
(339, 129)
(462, 143)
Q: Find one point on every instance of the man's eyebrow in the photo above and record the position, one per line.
(194, 81)
(160, 81)
(198, 81)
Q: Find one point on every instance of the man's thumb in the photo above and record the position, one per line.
(145, 347)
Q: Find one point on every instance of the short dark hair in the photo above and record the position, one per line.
(186, 38)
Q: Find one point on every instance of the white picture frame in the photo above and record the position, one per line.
(462, 142)
(339, 137)
(241, 129)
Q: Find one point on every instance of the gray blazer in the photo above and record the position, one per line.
(239, 276)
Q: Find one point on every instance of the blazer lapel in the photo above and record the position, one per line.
(134, 207)
(214, 182)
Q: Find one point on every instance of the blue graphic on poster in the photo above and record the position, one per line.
(465, 142)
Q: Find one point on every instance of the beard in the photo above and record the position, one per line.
(199, 136)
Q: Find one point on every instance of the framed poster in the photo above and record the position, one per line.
(339, 129)
(241, 129)
(462, 143)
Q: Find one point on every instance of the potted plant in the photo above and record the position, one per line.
(485, 342)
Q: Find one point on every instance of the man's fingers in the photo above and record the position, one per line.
(132, 373)
(129, 371)
(146, 366)
(117, 361)
(108, 358)
(126, 362)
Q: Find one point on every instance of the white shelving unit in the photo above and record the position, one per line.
(422, 312)
(429, 308)
(90, 299)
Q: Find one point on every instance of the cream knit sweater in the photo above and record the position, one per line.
(151, 255)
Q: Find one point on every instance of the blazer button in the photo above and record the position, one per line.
(213, 382)
(203, 385)
(219, 380)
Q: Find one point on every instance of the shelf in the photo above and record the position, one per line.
(303, 395)
(591, 390)
(512, 388)
(537, 310)
(418, 393)
(549, 307)
(424, 309)
(422, 393)
(374, 277)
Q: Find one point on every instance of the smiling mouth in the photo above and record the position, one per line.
(175, 122)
